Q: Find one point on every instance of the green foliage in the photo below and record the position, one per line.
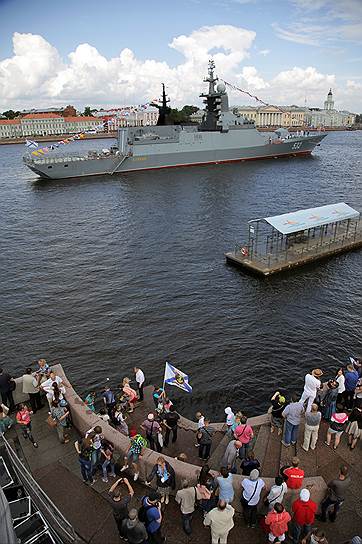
(87, 112)
(182, 116)
(11, 114)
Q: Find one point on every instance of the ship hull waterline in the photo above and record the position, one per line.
(108, 165)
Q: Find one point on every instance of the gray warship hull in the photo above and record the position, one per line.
(223, 136)
(148, 159)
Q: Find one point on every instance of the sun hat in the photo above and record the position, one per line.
(356, 540)
(339, 417)
(150, 417)
(254, 474)
(317, 372)
(281, 399)
(228, 410)
(304, 495)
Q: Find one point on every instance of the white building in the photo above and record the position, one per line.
(128, 116)
(330, 117)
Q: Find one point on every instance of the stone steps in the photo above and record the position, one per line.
(218, 453)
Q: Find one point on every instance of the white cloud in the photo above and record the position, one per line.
(264, 52)
(36, 75)
(336, 21)
(253, 79)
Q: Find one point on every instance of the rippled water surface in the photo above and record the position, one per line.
(105, 273)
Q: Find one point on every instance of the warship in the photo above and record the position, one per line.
(223, 136)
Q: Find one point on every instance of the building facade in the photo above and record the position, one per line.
(273, 117)
(128, 116)
(46, 124)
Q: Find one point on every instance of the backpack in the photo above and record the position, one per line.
(142, 512)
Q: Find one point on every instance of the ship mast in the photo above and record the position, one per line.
(163, 110)
(212, 101)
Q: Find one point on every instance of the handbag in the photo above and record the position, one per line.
(51, 421)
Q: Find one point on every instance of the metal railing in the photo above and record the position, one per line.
(53, 516)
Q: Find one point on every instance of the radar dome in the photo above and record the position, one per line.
(221, 87)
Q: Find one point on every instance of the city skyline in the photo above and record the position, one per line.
(291, 53)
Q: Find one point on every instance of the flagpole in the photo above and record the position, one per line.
(164, 379)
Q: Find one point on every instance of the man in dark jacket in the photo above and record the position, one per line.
(133, 529)
(6, 389)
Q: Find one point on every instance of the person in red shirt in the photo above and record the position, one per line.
(277, 520)
(294, 474)
(304, 511)
(23, 417)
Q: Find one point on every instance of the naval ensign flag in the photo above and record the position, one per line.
(173, 376)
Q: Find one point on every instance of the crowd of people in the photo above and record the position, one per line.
(284, 509)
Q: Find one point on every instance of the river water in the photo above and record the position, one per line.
(103, 274)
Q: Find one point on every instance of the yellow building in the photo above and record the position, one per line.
(272, 116)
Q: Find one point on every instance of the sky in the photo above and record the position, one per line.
(117, 52)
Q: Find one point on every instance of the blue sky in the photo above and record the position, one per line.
(325, 35)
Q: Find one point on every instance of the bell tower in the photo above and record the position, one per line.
(329, 103)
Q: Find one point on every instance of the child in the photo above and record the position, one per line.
(90, 400)
(23, 417)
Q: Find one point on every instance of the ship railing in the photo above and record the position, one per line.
(69, 157)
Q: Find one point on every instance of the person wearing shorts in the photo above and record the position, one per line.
(337, 427)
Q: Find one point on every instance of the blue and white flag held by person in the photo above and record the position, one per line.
(30, 143)
(173, 376)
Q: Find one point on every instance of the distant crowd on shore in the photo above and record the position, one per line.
(284, 510)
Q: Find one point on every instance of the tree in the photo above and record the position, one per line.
(87, 112)
(11, 114)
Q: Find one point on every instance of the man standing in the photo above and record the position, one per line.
(153, 429)
(7, 386)
(30, 387)
(133, 530)
(150, 513)
(292, 415)
(220, 520)
(231, 455)
(140, 379)
(312, 384)
(171, 420)
(250, 497)
(311, 428)
(205, 440)
(277, 519)
(335, 495)
(295, 476)
(186, 498)
(350, 383)
(304, 511)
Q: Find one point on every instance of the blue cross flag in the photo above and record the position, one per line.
(173, 376)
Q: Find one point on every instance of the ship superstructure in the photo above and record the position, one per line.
(222, 136)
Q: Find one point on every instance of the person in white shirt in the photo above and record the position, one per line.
(220, 520)
(340, 379)
(311, 386)
(47, 386)
(200, 424)
(277, 492)
(250, 497)
(30, 387)
(140, 379)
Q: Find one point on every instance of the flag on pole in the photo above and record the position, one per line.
(31, 143)
(173, 376)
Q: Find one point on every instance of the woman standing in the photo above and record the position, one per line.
(354, 428)
(60, 414)
(23, 417)
(119, 420)
(225, 485)
(131, 393)
(244, 434)
(328, 405)
(337, 427)
(340, 379)
(165, 478)
(84, 449)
